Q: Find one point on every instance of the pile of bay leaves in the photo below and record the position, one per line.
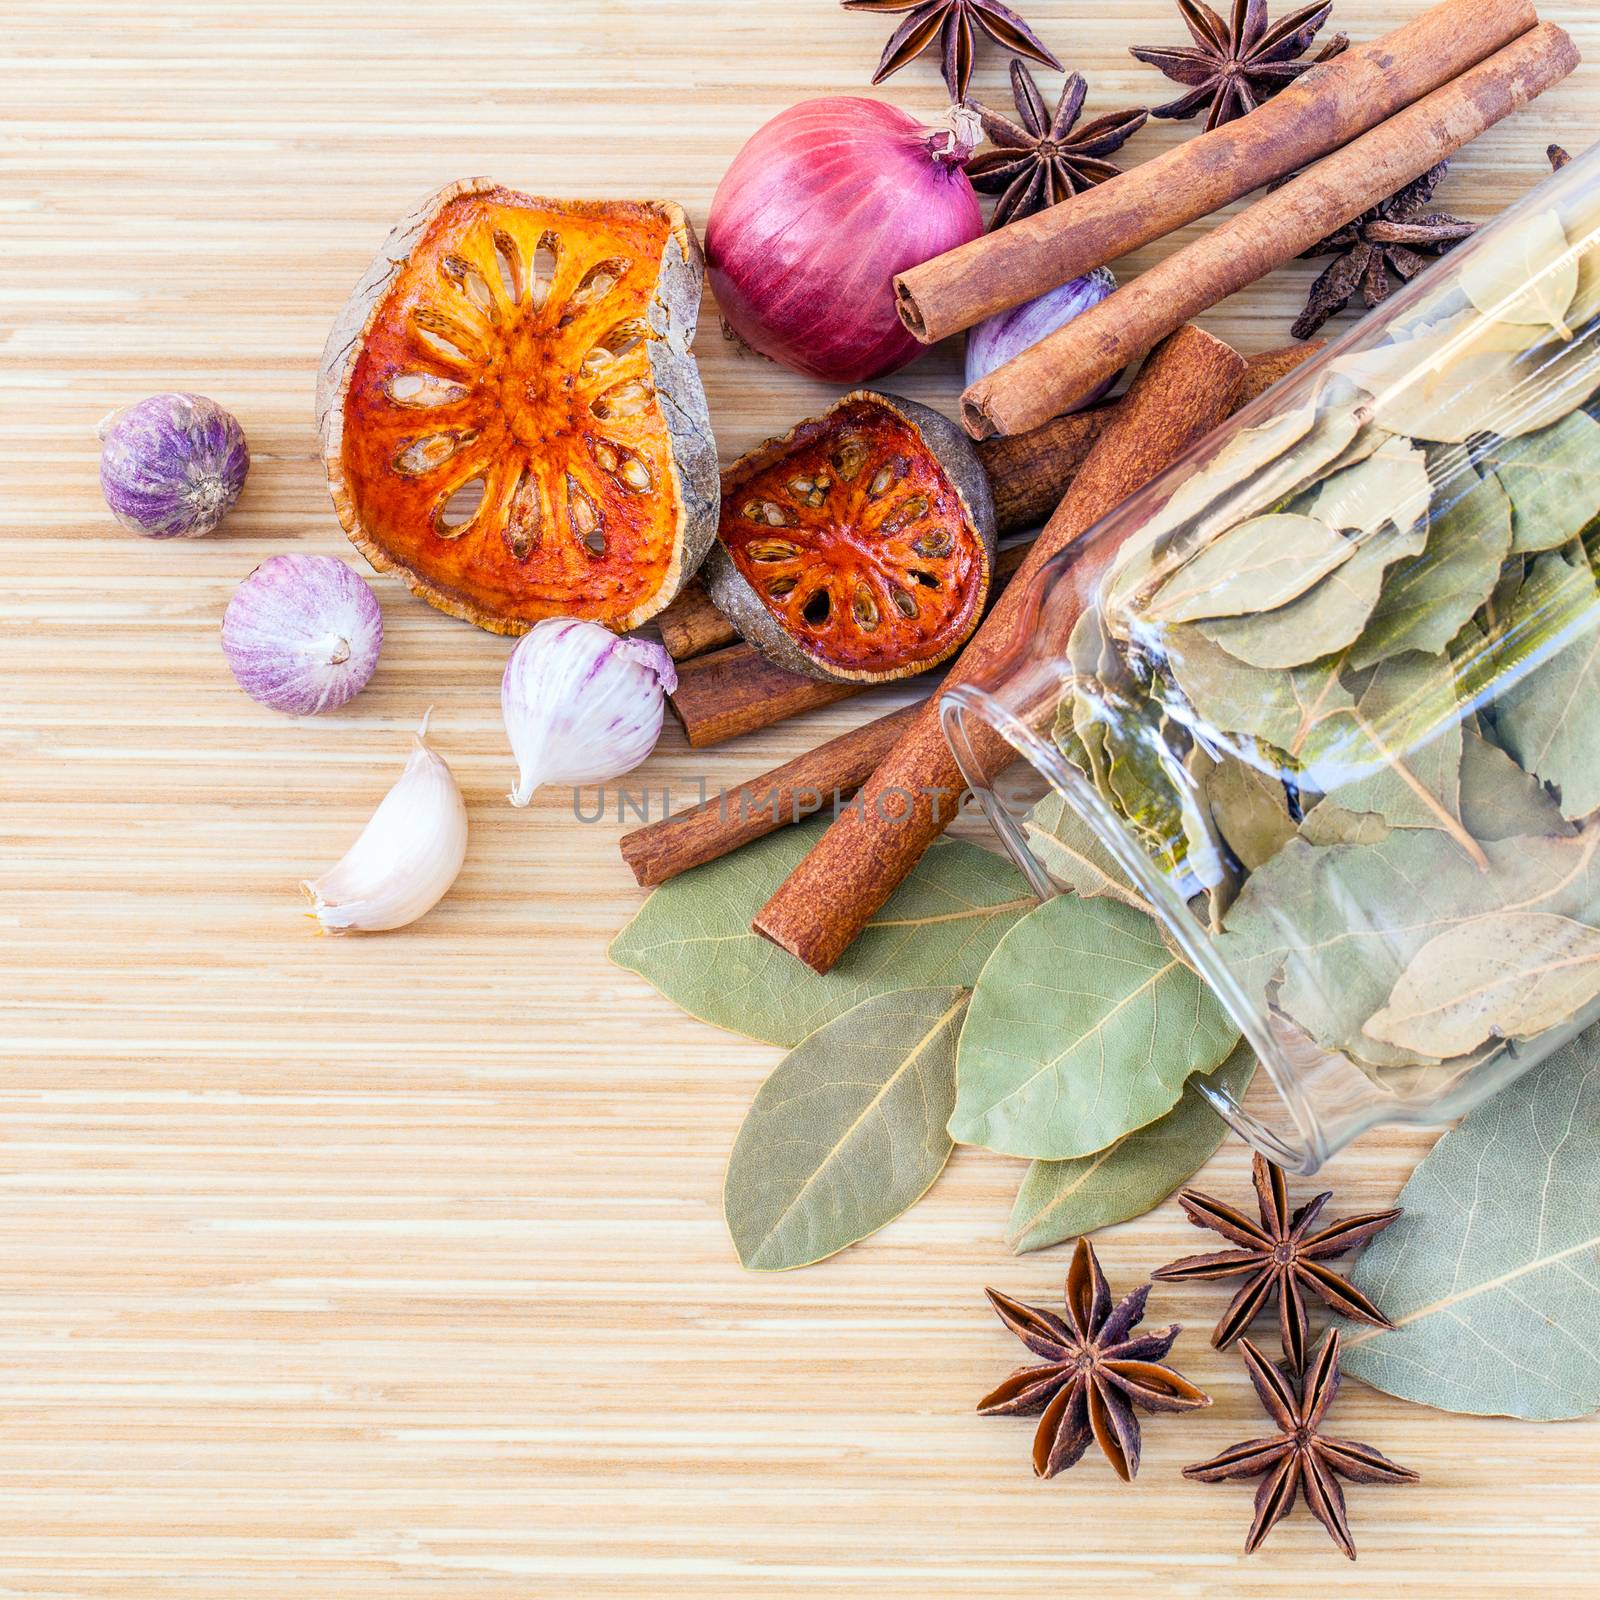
(1344, 691)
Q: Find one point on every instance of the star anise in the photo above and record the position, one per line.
(1300, 1458)
(1237, 64)
(1094, 1372)
(1280, 1255)
(1039, 160)
(1398, 235)
(951, 23)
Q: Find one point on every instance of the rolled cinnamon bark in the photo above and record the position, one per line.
(779, 799)
(1186, 387)
(1071, 362)
(1322, 110)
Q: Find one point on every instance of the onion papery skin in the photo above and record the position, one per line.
(1008, 333)
(172, 466)
(819, 211)
(302, 634)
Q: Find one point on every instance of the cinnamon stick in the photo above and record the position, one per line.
(1322, 110)
(820, 778)
(735, 690)
(1185, 388)
(1071, 362)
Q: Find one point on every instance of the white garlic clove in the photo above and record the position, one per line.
(582, 705)
(407, 856)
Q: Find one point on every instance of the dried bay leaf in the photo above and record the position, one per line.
(847, 1132)
(1553, 480)
(1403, 747)
(1328, 618)
(1251, 809)
(1071, 852)
(1508, 975)
(1065, 1199)
(1490, 1273)
(1254, 471)
(1426, 601)
(1257, 566)
(1527, 275)
(1330, 823)
(1230, 697)
(692, 937)
(1548, 714)
(1391, 485)
(1474, 375)
(1083, 1027)
(1396, 752)
(1335, 926)
(1499, 800)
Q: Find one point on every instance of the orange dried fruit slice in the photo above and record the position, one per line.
(510, 414)
(859, 547)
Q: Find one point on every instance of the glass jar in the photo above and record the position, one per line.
(1325, 697)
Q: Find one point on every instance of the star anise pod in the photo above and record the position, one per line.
(1398, 236)
(1300, 1458)
(1279, 1255)
(951, 23)
(1238, 63)
(1095, 1371)
(1040, 160)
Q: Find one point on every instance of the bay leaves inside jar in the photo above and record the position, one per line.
(1552, 478)
(1508, 975)
(1258, 566)
(1254, 472)
(1501, 801)
(1329, 617)
(1547, 714)
(1526, 275)
(1391, 485)
(1334, 927)
(1427, 600)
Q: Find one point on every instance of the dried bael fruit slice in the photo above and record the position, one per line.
(510, 414)
(859, 547)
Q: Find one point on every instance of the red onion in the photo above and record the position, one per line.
(1008, 333)
(302, 634)
(172, 466)
(819, 211)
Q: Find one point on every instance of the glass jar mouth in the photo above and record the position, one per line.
(1304, 1154)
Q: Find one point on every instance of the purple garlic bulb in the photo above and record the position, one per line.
(302, 634)
(1008, 333)
(172, 466)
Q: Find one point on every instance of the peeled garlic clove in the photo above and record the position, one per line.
(582, 705)
(408, 855)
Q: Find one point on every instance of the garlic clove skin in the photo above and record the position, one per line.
(407, 856)
(582, 705)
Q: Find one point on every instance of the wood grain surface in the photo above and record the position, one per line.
(358, 1268)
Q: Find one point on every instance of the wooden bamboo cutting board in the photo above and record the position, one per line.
(396, 1266)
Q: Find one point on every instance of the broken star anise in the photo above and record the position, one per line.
(1095, 1371)
(1279, 1255)
(951, 22)
(1041, 160)
(1300, 1458)
(1398, 236)
(1236, 64)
